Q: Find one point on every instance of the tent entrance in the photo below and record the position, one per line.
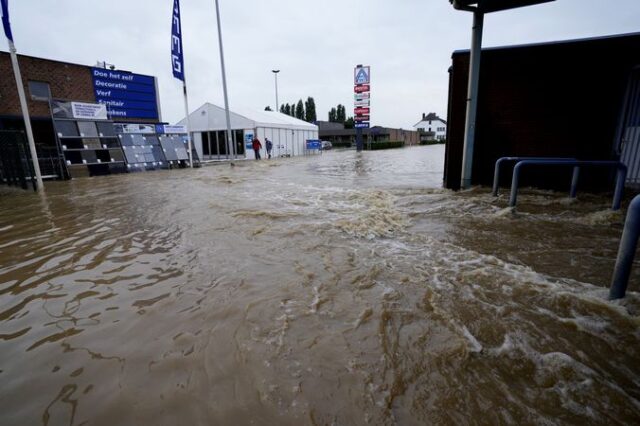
(214, 144)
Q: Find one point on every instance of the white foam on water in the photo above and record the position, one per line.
(476, 346)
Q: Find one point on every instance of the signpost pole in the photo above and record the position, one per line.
(359, 144)
(25, 116)
(230, 147)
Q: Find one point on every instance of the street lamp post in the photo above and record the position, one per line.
(230, 145)
(275, 73)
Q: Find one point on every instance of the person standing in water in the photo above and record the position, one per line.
(256, 147)
(269, 147)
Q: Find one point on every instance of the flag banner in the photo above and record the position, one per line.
(177, 60)
(5, 19)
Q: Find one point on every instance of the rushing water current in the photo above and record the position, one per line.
(341, 289)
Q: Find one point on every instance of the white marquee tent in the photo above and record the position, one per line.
(208, 127)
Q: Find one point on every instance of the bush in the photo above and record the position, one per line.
(341, 144)
(433, 142)
(384, 145)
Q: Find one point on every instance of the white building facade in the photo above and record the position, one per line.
(208, 128)
(432, 123)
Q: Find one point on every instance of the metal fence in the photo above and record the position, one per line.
(15, 162)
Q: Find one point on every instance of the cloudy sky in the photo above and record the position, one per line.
(315, 44)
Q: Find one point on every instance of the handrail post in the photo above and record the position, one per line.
(626, 252)
(573, 192)
(621, 178)
(514, 184)
(496, 171)
(496, 176)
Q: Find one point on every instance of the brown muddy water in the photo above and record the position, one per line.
(345, 289)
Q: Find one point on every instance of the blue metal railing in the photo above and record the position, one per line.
(626, 252)
(496, 173)
(621, 176)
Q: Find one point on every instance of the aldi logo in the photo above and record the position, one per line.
(362, 75)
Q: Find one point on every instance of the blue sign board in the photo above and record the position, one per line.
(248, 140)
(125, 94)
(314, 144)
(362, 125)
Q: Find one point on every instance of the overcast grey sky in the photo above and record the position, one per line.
(316, 44)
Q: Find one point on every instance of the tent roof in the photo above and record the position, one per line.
(212, 117)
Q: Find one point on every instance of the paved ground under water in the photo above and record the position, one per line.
(341, 289)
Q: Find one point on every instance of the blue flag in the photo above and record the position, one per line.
(5, 19)
(177, 60)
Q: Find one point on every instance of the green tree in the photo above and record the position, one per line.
(300, 110)
(287, 109)
(333, 115)
(268, 108)
(341, 115)
(310, 110)
(282, 110)
(349, 123)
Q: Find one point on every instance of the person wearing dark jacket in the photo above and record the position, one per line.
(269, 147)
(256, 147)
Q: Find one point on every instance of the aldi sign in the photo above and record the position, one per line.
(362, 97)
(362, 75)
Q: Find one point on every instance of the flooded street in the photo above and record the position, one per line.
(344, 289)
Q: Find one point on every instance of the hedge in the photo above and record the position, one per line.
(433, 142)
(384, 145)
(341, 144)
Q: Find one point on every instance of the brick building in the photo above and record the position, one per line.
(46, 79)
(336, 133)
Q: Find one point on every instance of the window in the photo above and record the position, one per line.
(39, 90)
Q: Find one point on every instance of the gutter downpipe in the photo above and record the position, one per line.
(472, 94)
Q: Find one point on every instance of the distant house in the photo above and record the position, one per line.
(431, 123)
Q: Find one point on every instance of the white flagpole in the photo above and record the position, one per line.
(230, 147)
(186, 110)
(25, 116)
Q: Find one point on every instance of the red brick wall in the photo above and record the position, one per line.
(66, 81)
(410, 137)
